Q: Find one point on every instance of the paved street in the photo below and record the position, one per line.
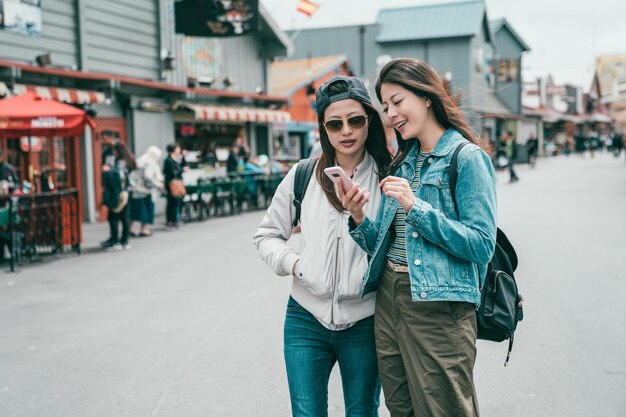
(189, 323)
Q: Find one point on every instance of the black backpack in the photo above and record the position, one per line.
(501, 306)
(304, 170)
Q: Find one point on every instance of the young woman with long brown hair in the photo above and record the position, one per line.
(428, 261)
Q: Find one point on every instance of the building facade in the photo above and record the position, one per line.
(454, 38)
(298, 80)
(124, 63)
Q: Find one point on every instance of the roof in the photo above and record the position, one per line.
(432, 21)
(487, 102)
(291, 75)
(121, 81)
(498, 24)
(271, 32)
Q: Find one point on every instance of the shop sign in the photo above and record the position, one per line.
(187, 130)
(47, 123)
(214, 18)
(31, 144)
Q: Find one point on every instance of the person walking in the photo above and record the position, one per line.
(532, 148)
(173, 170)
(428, 258)
(510, 145)
(117, 161)
(146, 184)
(327, 321)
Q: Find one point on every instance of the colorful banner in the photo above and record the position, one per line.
(202, 58)
(208, 18)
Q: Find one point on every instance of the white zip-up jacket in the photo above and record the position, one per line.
(329, 277)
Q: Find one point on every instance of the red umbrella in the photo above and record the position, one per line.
(32, 115)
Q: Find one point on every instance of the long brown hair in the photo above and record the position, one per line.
(375, 145)
(422, 80)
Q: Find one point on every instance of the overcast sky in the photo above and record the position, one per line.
(564, 36)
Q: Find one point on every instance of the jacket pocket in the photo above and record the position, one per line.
(314, 276)
(435, 189)
(350, 284)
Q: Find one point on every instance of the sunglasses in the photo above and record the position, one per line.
(355, 122)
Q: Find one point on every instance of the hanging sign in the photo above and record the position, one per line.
(31, 144)
(208, 18)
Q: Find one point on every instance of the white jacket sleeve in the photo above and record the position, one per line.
(271, 237)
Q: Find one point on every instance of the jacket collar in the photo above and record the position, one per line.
(364, 166)
(447, 142)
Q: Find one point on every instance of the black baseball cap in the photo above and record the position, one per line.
(356, 90)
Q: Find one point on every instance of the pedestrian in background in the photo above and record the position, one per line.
(9, 179)
(531, 146)
(117, 162)
(428, 258)
(146, 184)
(510, 145)
(327, 321)
(173, 171)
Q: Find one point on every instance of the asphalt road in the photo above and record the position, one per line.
(189, 323)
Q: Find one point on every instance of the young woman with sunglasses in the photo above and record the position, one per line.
(428, 257)
(327, 321)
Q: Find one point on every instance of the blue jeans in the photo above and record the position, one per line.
(311, 351)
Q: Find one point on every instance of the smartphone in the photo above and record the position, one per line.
(338, 175)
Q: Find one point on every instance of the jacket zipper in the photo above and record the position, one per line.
(336, 273)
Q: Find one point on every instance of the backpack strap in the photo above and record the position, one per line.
(304, 171)
(453, 173)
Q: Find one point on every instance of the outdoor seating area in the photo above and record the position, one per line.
(35, 225)
(230, 195)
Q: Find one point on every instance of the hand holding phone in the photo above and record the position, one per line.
(339, 176)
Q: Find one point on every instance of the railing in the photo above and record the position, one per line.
(36, 225)
(229, 195)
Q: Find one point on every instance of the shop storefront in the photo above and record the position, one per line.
(208, 132)
(42, 208)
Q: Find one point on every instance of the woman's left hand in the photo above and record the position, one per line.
(400, 189)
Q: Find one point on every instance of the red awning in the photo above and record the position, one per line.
(33, 115)
(67, 95)
(235, 114)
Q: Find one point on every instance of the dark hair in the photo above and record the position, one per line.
(109, 132)
(375, 145)
(422, 80)
(171, 147)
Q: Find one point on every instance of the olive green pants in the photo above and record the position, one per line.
(426, 352)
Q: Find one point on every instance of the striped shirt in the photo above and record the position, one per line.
(397, 250)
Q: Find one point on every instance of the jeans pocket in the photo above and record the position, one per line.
(292, 304)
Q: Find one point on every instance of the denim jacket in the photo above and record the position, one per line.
(447, 253)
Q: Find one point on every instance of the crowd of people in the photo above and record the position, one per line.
(132, 186)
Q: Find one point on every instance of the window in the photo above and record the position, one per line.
(479, 60)
(507, 70)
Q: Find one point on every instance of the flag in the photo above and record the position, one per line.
(307, 7)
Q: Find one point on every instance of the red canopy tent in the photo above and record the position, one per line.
(33, 115)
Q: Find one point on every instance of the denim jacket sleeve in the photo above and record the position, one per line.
(473, 236)
(366, 234)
